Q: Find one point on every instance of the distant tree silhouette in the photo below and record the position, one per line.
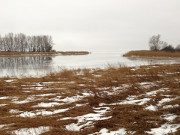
(168, 48)
(22, 43)
(154, 43)
(178, 47)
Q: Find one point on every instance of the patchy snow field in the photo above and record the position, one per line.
(91, 102)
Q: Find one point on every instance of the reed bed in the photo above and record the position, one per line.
(116, 100)
(146, 53)
(43, 53)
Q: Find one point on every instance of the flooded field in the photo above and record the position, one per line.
(41, 65)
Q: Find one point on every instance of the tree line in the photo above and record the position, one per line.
(156, 44)
(21, 43)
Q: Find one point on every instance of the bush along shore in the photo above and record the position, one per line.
(122, 100)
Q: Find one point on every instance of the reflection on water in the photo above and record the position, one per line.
(155, 60)
(41, 65)
(16, 66)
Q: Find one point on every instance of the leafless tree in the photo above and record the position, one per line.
(22, 43)
(154, 42)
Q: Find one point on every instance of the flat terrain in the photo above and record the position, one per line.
(147, 53)
(123, 100)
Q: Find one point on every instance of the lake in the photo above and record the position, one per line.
(41, 65)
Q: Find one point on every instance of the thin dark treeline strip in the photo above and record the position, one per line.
(22, 43)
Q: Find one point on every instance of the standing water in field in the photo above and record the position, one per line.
(41, 65)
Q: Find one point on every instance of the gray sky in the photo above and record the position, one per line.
(93, 24)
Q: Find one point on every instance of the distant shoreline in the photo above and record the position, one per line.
(44, 53)
(147, 53)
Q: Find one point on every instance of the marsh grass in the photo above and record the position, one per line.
(9, 54)
(78, 92)
(146, 53)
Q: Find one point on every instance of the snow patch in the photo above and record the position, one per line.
(29, 99)
(9, 80)
(164, 129)
(169, 117)
(51, 104)
(4, 97)
(151, 108)
(14, 111)
(41, 112)
(31, 131)
(88, 119)
(170, 106)
(121, 131)
(164, 100)
(132, 100)
(2, 105)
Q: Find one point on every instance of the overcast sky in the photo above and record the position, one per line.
(93, 24)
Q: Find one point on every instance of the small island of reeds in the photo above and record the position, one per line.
(158, 48)
(149, 53)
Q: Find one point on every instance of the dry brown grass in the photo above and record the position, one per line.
(74, 53)
(107, 88)
(146, 53)
(43, 53)
(27, 53)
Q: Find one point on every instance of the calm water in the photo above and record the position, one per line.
(40, 65)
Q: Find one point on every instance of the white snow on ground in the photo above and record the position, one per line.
(76, 127)
(4, 97)
(151, 108)
(28, 114)
(27, 100)
(164, 129)
(129, 100)
(69, 100)
(2, 125)
(132, 100)
(51, 104)
(169, 117)
(164, 100)
(14, 111)
(78, 105)
(9, 80)
(31, 131)
(41, 112)
(72, 99)
(147, 84)
(170, 106)
(49, 94)
(2, 105)
(88, 119)
(121, 131)
(36, 86)
(152, 93)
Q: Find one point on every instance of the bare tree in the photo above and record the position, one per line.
(154, 42)
(22, 43)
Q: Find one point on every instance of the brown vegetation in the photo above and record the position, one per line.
(92, 99)
(43, 53)
(146, 53)
(74, 53)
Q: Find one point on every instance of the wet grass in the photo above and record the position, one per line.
(92, 99)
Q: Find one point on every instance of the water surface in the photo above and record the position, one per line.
(41, 65)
